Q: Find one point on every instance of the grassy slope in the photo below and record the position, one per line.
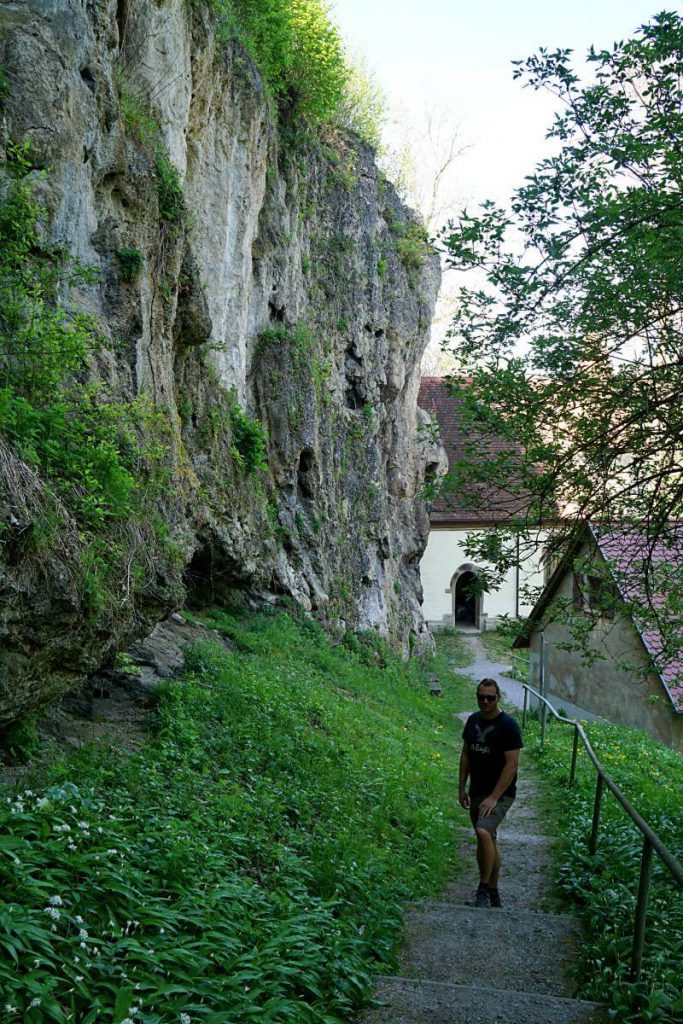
(250, 862)
(603, 887)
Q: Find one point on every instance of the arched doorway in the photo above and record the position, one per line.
(467, 598)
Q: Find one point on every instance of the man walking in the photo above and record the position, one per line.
(490, 759)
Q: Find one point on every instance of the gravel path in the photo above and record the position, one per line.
(483, 668)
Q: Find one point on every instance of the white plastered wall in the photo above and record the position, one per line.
(444, 555)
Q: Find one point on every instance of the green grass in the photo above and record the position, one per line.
(603, 887)
(249, 864)
(498, 645)
(452, 646)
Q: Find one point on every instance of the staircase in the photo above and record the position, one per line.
(463, 965)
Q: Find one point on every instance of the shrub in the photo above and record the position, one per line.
(130, 264)
(297, 49)
(301, 56)
(169, 189)
(249, 448)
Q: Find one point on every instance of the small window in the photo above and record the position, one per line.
(594, 594)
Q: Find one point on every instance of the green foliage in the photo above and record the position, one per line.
(4, 87)
(363, 106)
(84, 445)
(298, 51)
(130, 263)
(249, 448)
(298, 338)
(301, 56)
(141, 123)
(585, 270)
(169, 189)
(249, 862)
(603, 888)
(412, 245)
(382, 267)
(19, 741)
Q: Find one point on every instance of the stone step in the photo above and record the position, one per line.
(526, 875)
(430, 1002)
(508, 949)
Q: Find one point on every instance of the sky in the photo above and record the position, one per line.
(457, 54)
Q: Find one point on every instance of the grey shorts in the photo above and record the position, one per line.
(491, 821)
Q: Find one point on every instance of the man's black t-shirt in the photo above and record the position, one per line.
(487, 743)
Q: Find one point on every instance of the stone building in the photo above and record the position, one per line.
(630, 672)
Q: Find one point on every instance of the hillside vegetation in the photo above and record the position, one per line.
(250, 861)
(603, 888)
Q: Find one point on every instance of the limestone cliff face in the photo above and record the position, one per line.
(291, 281)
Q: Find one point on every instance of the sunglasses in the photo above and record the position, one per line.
(487, 698)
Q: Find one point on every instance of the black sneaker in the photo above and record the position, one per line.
(494, 898)
(482, 897)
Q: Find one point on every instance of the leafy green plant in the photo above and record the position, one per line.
(249, 443)
(19, 741)
(603, 887)
(130, 263)
(4, 87)
(169, 189)
(297, 49)
(81, 441)
(412, 245)
(250, 860)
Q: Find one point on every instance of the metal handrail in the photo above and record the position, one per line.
(651, 840)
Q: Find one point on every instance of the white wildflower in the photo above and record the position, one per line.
(78, 919)
(9, 1008)
(62, 828)
(83, 934)
(56, 901)
(35, 1002)
(79, 977)
(53, 913)
(72, 847)
(185, 1018)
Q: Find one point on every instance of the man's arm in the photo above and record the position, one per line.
(463, 798)
(506, 776)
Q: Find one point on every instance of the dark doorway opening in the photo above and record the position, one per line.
(465, 599)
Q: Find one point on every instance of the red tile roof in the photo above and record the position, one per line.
(478, 503)
(642, 570)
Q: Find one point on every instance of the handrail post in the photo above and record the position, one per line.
(526, 701)
(542, 687)
(593, 845)
(641, 910)
(575, 750)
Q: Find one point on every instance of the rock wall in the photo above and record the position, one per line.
(293, 284)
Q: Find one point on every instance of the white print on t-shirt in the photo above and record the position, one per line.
(481, 746)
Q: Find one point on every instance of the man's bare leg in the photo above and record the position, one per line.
(493, 880)
(488, 858)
